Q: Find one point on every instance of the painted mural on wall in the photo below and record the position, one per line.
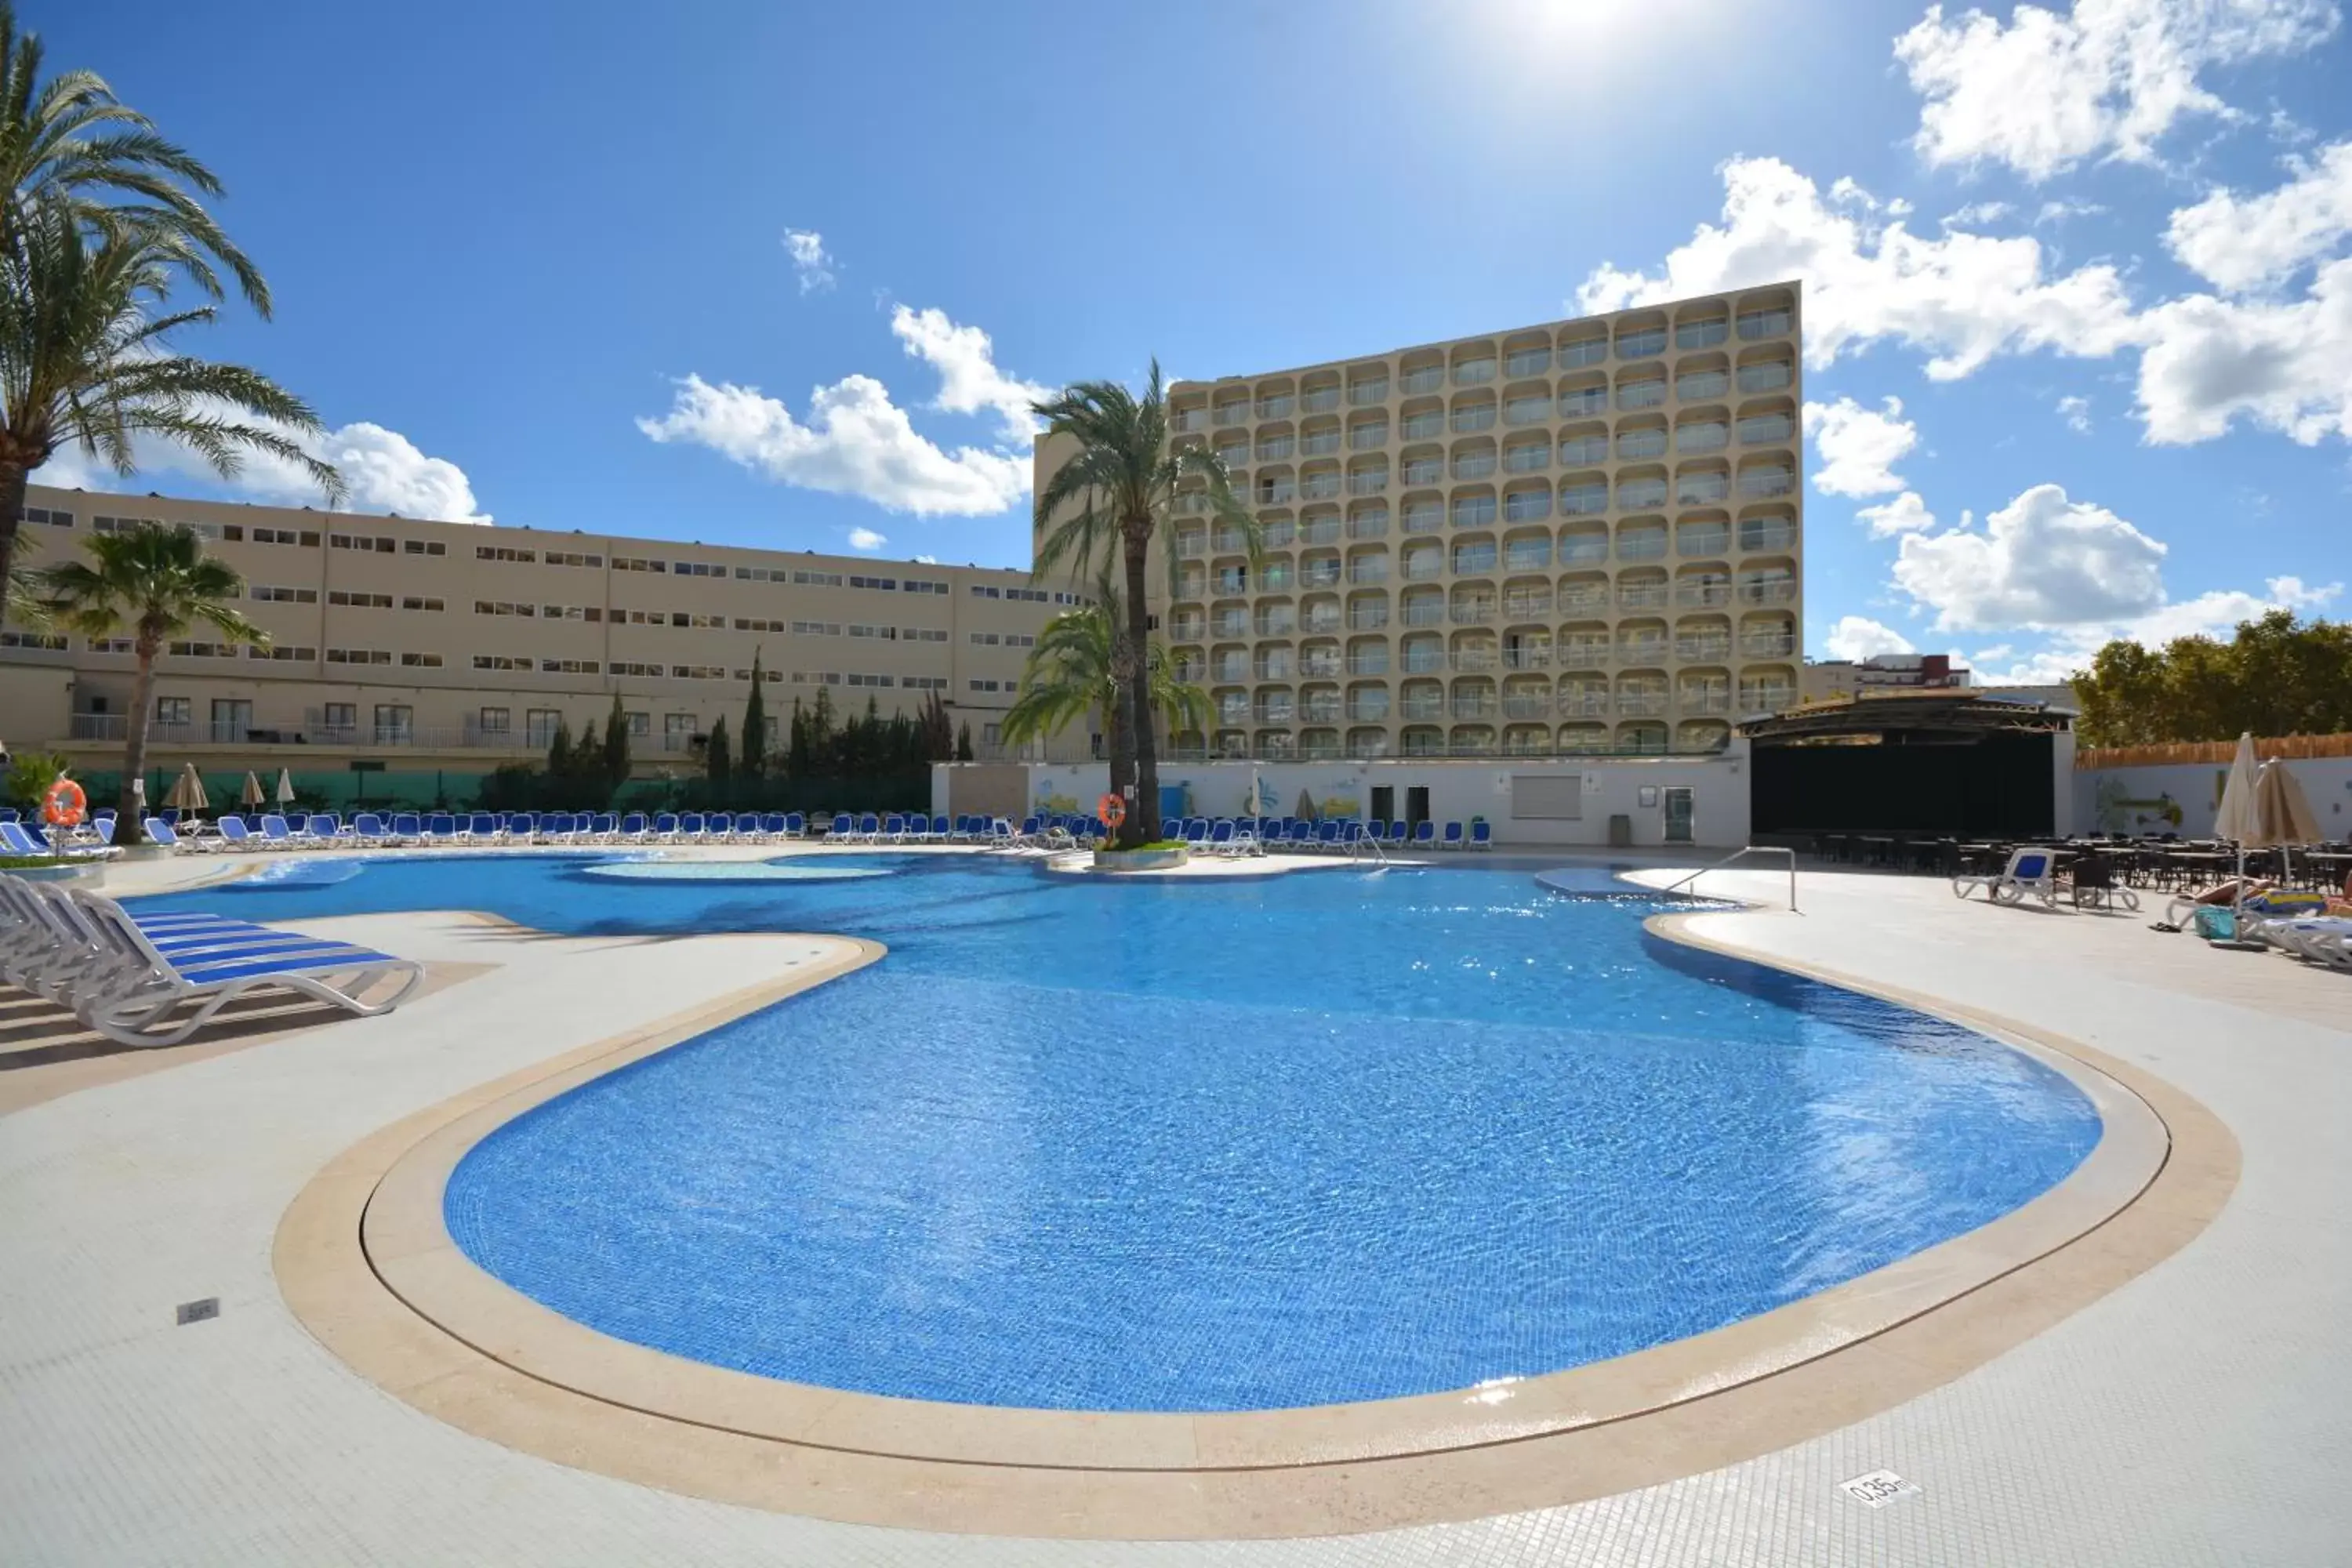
(2119, 812)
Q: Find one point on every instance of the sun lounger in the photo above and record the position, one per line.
(2030, 872)
(1482, 835)
(1424, 834)
(369, 830)
(1453, 837)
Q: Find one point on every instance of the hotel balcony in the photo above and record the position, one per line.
(1362, 393)
(1759, 535)
(1767, 375)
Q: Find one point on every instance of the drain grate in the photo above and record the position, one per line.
(1879, 1488)
(198, 1311)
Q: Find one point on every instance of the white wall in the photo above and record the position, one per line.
(2181, 797)
(1458, 792)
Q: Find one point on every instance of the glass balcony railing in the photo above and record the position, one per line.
(1369, 525)
(1703, 649)
(1473, 661)
(1633, 394)
(1368, 437)
(1471, 612)
(1367, 483)
(1424, 615)
(1769, 591)
(1318, 444)
(1232, 414)
(1423, 568)
(1584, 705)
(1768, 375)
(1426, 378)
(1320, 530)
(1528, 656)
(1423, 661)
(1321, 399)
(1473, 371)
(1583, 352)
(1712, 595)
(1583, 653)
(1702, 386)
(1695, 541)
(1704, 334)
(1764, 323)
(1275, 407)
(1363, 392)
(1761, 536)
(1527, 361)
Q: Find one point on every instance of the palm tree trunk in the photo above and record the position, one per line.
(1145, 807)
(127, 828)
(13, 479)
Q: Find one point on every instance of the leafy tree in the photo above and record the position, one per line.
(717, 765)
(1105, 503)
(155, 582)
(101, 220)
(2275, 675)
(963, 752)
(616, 745)
(754, 740)
(30, 775)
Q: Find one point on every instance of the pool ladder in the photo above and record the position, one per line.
(1750, 850)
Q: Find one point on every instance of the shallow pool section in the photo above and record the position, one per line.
(1220, 1145)
(691, 871)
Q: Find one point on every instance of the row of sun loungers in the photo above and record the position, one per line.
(368, 830)
(126, 975)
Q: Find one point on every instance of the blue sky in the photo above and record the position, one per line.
(531, 263)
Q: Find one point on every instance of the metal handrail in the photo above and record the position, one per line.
(1749, 849)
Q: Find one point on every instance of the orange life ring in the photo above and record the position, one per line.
(63, 805)
(1111, 809)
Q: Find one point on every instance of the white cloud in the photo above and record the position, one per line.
(2046, 91)
(970, 382)
(1906, 513)
(811, 261)
(857, 442)
(866, 539)
(2214, 614)
(2287, 367)
(1976, 214)
(1859, 446)
(382, 470)
(2076, 412)
(927, 560)
(1962, 298)
(1859, 637)
(2041, 560)
(2246, 244)
(2052, 212)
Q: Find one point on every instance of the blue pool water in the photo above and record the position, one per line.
(1330, 1137)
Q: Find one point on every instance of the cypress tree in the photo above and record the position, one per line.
(964, 743)
(753, 741)
(616, 745)
(715, 761)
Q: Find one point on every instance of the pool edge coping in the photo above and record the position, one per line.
(366, 1239)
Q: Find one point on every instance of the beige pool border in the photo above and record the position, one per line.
(366, 1264)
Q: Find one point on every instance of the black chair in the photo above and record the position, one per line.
(2092, 878)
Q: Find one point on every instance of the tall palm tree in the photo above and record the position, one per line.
(1106, 503)
(86, 360)
(83, 170)
(1068, 677)
(156, 582)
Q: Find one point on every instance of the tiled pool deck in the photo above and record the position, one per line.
(2197, 1412)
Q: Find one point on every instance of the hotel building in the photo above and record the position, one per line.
(410, 645)
(1574, 538)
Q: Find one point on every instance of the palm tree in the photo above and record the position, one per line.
(87, 176)
(68, 141)
(156, 582)
(86, 360)
(1105, 503)
(1068, 677)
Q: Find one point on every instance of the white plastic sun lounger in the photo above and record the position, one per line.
(2034, 871)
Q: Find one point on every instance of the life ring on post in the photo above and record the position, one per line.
(1111, 809)
(63, 804)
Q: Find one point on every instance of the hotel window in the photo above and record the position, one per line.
(764, 675)
(394, 721)
(282, 653)
(503, 607)
(419, 602)
(987, 686)
(984, 639)
(571, 558)
(981, 592)
(49, 516)
(676, 729)
(44, 641)
(817, 579)
(696, 569)
(641, 725)
(285, 536)
(500, 661)
(175, 711)
(504, 553)
(890, 583)
(817, 628)
(343, 716)
(423, 547)
(927, 683)
(358, 656)
(917, 585)
(539, 726)
(569, 613)
(697, 672)
(642, 672)
(113, 645)
(857, 680)
(283, 595)
(421, 660)
(495, 720)
(378, 544)
(1769, 323)
(1584, 350)
(816, 678)
(567, 666)
(891, 633)
(921, 634)
(202, 650)
(752, 624)
(639, 564)
(359, 601)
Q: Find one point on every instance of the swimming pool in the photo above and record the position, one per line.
(1219, 1146)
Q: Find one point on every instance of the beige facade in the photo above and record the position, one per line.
(443, 645)
(1585, 536)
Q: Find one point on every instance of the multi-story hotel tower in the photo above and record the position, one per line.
(1575, 537)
